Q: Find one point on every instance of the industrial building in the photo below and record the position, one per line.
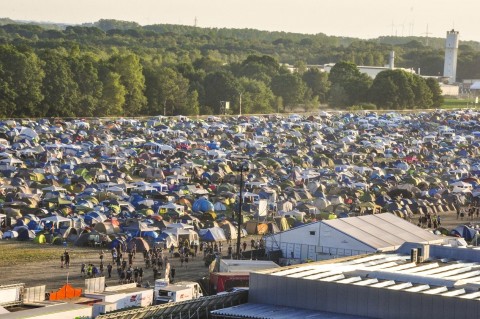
(328, 239)
(417, 281)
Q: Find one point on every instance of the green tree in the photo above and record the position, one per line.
(60, 89)
(318, 83)
(113, 96)
(261, 68)
(85, 74)
(400, 89)
(350, 83)
(256, 97)
(437, 97)
(21, 77)
(168, 93)
(131, 76)
(220, 86)
(290, 87)
(423, 94)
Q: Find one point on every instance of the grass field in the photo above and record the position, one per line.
(458, 103)
(19, 253)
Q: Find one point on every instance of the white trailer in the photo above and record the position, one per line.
(182, 291)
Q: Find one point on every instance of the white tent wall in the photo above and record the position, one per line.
(301, 241)
(338, 244)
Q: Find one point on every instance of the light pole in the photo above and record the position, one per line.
(241, 103)
(241, 168)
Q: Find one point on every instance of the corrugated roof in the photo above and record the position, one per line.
(263, 311)
(382, 231)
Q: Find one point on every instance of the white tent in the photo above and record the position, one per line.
(178, 208)
(182, 234)
(59, 222)
(475, 86)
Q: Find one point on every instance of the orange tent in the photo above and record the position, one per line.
(66, 292)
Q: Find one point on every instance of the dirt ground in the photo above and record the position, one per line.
(19, 265)
(20, 262)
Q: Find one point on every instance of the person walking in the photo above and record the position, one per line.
(62, 260)
(82, 270)
(140, 275)
(172, 274)
(67, 260)
(109, 270)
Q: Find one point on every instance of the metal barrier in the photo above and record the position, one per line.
(198, 308)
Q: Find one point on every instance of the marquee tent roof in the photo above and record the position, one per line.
(382, 231)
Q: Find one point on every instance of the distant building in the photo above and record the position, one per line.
(449, 90)
(372, 71)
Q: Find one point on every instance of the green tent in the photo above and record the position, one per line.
(40, 239)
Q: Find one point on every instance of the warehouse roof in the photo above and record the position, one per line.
(263, 311)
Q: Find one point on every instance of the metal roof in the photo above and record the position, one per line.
(382, 231)
(263, 311)
(445, 277)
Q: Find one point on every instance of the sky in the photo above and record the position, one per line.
(363, 19)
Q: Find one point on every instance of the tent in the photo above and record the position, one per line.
(24, 233)
(202, 205)
(58, 221)
(255, 227)
(106, 228)
(231, 232)
(168, 239)
(139, 244)
(465, 232)
(40, 239)
(213, 234)
(9, 234)
(182, 234)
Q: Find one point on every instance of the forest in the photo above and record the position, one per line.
(119, 68)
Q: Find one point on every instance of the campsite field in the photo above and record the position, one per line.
(29, 263)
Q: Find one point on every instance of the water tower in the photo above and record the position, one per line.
(451, 51)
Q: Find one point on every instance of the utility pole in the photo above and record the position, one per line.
(241, 168)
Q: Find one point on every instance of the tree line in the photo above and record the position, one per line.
(115, 68)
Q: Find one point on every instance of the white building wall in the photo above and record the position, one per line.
(451, 51)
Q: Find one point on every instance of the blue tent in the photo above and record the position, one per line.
(213, 234)
(202, 205)
(464, 231)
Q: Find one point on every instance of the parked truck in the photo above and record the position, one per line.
(181, 291)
